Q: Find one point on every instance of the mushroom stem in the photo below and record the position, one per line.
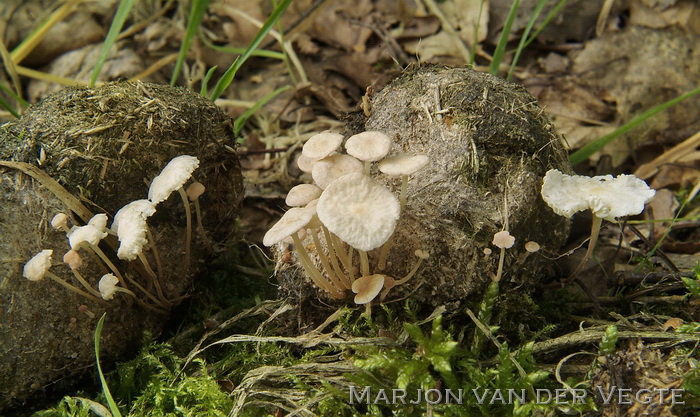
(188, 230)
(345, 258)
(367, 167)
(84, 283)
(364, 262)
(140, 301)
(74, 289)
(384, 254)
(153, 298)
(347, 282)
(200, 227)
(159, 266)
(313, 272)
(96, 249)
(156, 281)
(595, 231)
(402, 195)
(337, 282)
(501, 260)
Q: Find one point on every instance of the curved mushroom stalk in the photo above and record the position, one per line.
(390, 282)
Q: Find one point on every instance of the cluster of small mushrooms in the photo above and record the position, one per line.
(131, 228)
(345, 212)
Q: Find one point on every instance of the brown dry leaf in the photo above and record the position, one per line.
(235, 27)
(337, 23)
(677, 175)
(672, 323)
(684, 13)
(683, 152)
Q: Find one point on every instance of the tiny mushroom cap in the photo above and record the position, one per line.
(108, 286)
(73, 259)
(290, 223)
(301, 194)
(38, 266)
(422, 254)
(305, 163)
(368, 146)
(130, 225)
(59, 221)
(172, 177)
(367, 288)
(532, 246)
(487, 251)
(321, 145)
(359, 210)
(403, 164)
(607, 197)
(333, 167)
(503, 240)
(195, 190)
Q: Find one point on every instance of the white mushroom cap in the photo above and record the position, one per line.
(607, 197)
(301, 194)
(305, 164)
(89, 233)
(359, 211)
(532, 246)
(38, 266)
(172, 177)
(130, 225)
(73, 259)
(368, 146)
(290, 223)
(195, 190)
(403, 164)
(367, 288)
(108, 286)
(321, 145)
(333, 167)
(59, 221)
(503, 240)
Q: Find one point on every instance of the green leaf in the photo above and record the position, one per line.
(105, 388)
(240, 120)
(120, 16)
(503, 40)
(199, 7)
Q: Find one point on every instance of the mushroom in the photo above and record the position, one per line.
(368, 146)
(38, 267)
(194, 191)
(74, 261)
(305, 163)
(108, 287)
(60, 222)
(290, 223)
(173, 177)
(360, 211)
(390, 282)
(502, 240)
(329, 169)
(302, 194)
(130, 226)
(608, 198)
(321, 145)
(367, 288)
(530, 247)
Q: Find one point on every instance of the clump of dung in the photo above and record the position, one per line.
(103, 146)
(489, 145)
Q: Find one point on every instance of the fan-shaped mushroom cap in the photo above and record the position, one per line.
(290, 223)
(88, 233)
(172, 177)
(503, 240)
(130, 225)
(321, 145)
(38, 266)
(368, 146)
(108, 286)
(403, 164)
(532, 246)
(301, 194)
(367, 288)
(359, 211)
(607, 197)
(305, 164)
(333, 167)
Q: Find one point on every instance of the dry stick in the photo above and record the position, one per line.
(72, 288)
(188, 231)
(324, 261)
(347, 281)
(313, 272)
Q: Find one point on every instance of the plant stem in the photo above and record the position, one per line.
(72, 288)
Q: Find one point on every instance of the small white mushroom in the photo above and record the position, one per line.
(359, 210)
(532, 246)
(60, 222)
(302, 194)
(195, 190)
(503, 240)
(88, 234)
(108, 286)
(73, 259)
(36, 268)
(367, 288)
(329, 169)
(305, 163)
(403, 166)
(130, 226)
(368, 146)
(321, 145)
(172, 177)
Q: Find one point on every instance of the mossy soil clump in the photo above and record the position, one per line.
(103, 146)
(489, 145)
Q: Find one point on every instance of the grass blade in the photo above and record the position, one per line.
(240, 120)
(593, 147)
(105, 389)
(196, 15)
(8, 107)
(120, 16)
(524, 36)
(205, 81)
(263, 53)
(503, 40)
(230, 73)
(546, 21)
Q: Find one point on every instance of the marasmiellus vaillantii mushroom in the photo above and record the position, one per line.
(321, 145)
(74, 261)
(369, 147)
(361, 212)
(502, 240)
(608, 198)
(38, 267)
(301, 194)
(194, 191)
(329, 169)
